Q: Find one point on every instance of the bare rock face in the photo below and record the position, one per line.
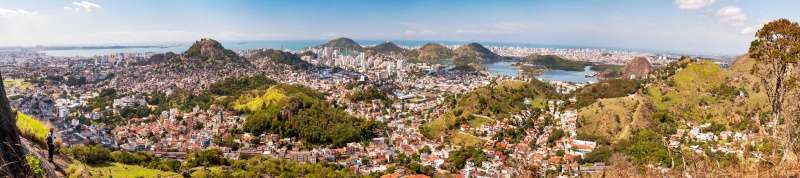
(210, 49)
(639, 67)
(12, 155)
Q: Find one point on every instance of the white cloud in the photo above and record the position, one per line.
(751, 30)
(18, 12)
(85, 5)
(693, 4)
(730, 15)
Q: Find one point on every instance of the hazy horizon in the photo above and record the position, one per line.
(698, 26)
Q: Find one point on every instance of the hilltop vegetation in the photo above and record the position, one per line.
(467, 64)
(386, 48)
(702, 92)
(609, 88)
(343, 44)
(209, 50)
(298, 111)
(554, 62)
(434, 51)
(477, 51)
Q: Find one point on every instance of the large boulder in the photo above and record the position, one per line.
(639, 67)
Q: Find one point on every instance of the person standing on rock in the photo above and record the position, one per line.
(51, 146)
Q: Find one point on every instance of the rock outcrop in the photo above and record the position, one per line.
(639, 67)
(12, 154)
(210, 49)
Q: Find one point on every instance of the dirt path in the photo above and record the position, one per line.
(58, 168)
(626, 130)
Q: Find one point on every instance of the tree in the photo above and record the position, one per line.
(776, 51)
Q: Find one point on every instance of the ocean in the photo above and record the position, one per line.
(297, 45)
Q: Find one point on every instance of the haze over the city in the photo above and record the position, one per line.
(697, 26)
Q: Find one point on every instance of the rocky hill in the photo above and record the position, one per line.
(639, 67)
(476, 50)
(386, 48)
(434, 51)
(343, 44)
(12, 153)
(208, 49)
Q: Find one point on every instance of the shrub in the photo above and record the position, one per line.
(34, 165)
(96, 154)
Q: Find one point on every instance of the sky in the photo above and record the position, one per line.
(698, 26)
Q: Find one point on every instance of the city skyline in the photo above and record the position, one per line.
(702, 26)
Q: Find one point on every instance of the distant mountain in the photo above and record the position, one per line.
(281, 57)
(639, 67)
(434, 51)
(476, 50)
(343, 43)
(554, 62)
(208, 49)
(386, 48)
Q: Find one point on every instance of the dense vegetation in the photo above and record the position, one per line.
(235, 86)
(601, 68)
(210, 46)
(459, 157)
(477, 51)
(554, 62)
(369, 94)
(343, 44)
(467, 64)
(434, 51)
(609, 88)
(386, 48)
(299, 111)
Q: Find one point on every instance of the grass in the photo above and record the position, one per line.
(689, 97)
(702, 75)
(202, 172)
(257, 100)
(538, 103)
(601, 121)
(18, 83)
(478, 121)
(466, 140)
(117, 170)
(33, 129)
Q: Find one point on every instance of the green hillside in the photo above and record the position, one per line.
(209, 49)
(477, 51)
(386, 48)
(553, 62)
(299, 111)
(702, 91)
(343, 44)
(434, 51)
